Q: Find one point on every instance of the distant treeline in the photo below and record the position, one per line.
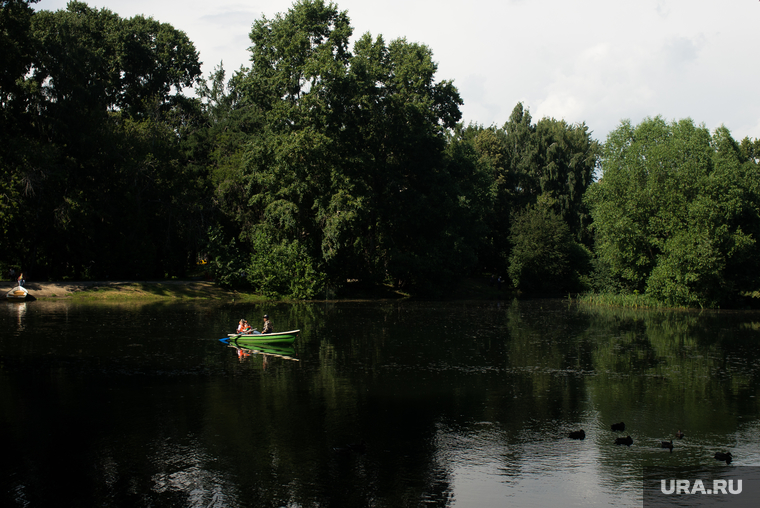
(322, 163)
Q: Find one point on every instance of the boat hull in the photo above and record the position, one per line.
(17, 293)
(265, 338)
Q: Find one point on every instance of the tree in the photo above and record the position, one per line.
(396, 134)
(550, 161)
(95, 61)
(676, 212)
(17, 47)
(94, 168)
(18, 154)
(544, 257)
(348, 155)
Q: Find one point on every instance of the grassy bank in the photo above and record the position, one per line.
(632, 301)
(151, 291)
(174, 290)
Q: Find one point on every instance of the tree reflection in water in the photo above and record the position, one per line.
(389, 403)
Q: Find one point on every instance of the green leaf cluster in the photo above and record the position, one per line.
(537, 177)
(545, 258)
(347, 160)
(282, 269)
(676, 212)
(96, 180)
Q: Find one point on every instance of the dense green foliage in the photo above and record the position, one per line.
(545, 258)
(551, 163)
(676, 213)
(94, 179)
(347, 161)
(326, 162)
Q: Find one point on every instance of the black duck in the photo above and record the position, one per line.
(724, 457)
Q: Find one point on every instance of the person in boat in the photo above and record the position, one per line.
(243, 327)
(268, 328)
(21, 280)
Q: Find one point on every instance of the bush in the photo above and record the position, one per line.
(283, 269)
(544, 256)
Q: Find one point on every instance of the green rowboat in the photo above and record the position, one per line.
(243, 339)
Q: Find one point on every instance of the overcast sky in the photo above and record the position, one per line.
(592, 61)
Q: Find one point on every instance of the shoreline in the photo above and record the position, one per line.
(476, 288)
(151, 290)
(100, 289)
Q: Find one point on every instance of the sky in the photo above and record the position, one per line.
(596, 62)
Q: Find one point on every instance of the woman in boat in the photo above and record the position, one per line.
(268, 328)
(21, 280)
(243, 327)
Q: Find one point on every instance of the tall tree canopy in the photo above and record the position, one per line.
(676, 212)
(17, 49)
(550, 163)
(94, 175)
(348, 166)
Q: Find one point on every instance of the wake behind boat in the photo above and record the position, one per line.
(260, 338)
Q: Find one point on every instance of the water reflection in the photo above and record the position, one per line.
(19, 308)
(454, 404)
(265, 351)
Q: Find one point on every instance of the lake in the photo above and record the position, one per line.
(390, 403)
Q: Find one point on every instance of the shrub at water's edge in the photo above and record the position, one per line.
(627, 300)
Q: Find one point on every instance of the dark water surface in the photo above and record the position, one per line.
(379, 404)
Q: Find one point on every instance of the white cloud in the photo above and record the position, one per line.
(594, 61)
(681, 51)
